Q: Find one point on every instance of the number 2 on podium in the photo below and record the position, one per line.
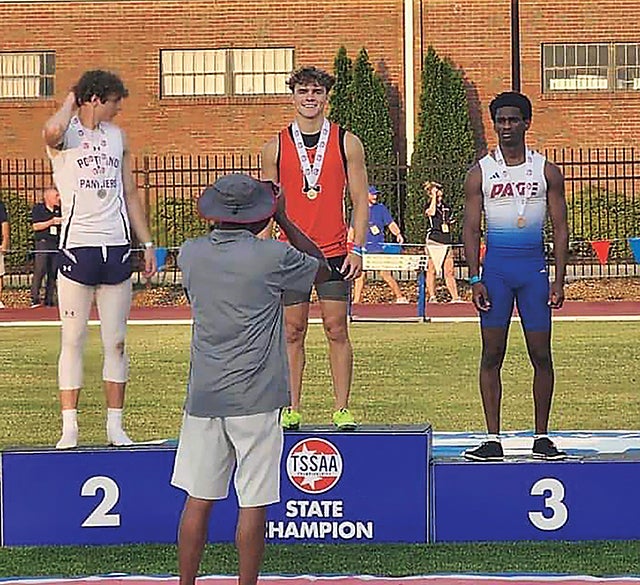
(553, 502)
(101, 515)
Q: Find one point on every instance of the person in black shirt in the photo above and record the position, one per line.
(438, 215)
(46, 226)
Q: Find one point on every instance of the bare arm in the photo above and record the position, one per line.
(300, 241)
(471, 235)
(472, 219)
(268, 164)
(38, 226)
(56, 125)
(395, 230)
(358, 187)
(135, 210)
(6, 234)
(431, 209)
(350, 234)
(557, 207)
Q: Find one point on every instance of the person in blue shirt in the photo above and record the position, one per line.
(379, 219)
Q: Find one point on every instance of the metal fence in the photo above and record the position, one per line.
(602, 187)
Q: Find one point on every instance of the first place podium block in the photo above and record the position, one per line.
(372, 485)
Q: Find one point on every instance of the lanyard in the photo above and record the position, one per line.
(520, 197)
(311, 172)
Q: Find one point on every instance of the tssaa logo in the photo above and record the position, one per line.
(314, 465)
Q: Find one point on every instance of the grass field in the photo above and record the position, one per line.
(404, 373)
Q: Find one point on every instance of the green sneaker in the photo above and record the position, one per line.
(290, 419)
(344, 420)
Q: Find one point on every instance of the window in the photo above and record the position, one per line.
(217, 72)
(591, 67)
(27, 75)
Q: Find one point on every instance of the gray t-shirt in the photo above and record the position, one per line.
(235, 283)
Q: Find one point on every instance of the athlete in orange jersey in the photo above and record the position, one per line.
(315, 161)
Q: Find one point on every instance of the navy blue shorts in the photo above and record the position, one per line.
(522, 279)
(93, 266)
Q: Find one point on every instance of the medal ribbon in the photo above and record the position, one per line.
(521, 199)
(311, 172)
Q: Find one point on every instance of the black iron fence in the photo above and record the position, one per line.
(602, 188)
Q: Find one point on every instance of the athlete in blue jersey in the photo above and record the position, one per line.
(516, 188)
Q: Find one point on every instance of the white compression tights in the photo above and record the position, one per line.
(74, 300)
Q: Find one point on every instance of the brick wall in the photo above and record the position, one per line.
(126, 36)
(475, 34)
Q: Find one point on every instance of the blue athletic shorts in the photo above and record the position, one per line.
(93, 266)
(523, 279)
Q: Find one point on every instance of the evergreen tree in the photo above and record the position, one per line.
(359, 103)
(371, 122)
(340, 99)
(444, 148)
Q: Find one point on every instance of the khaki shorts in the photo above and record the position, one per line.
(210, 448)
(1, 263)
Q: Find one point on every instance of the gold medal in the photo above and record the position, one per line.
(521, 221)
(312, 194)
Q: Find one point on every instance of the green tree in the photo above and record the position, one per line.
(444, 148)
(360, 104)
(340, 98)
(21, 238)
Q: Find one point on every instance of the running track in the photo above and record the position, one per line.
(572, 310)
(361, 580)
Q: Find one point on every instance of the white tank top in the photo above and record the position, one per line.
(503, 206)
(88, 174)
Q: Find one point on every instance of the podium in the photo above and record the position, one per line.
(372, 485)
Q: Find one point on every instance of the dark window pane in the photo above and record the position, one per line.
(571, 55)
(547, 54)
(559, 56)
(592, 55)
(581, 53)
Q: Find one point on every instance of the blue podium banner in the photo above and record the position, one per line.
(525, 500)
(368, 486)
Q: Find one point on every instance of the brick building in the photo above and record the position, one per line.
(207, 76)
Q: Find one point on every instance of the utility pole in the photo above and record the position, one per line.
(515, 46)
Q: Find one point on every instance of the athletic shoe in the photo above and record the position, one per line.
(69, 439)
(2, 305)
(36, 305)
(487, 451)
(402, 301)
(544, 448)
(343, 420)
(290, 419)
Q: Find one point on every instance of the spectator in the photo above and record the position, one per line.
(4, 243)
(238, 378)
(438, 245)
(46, 218)
(379, 218)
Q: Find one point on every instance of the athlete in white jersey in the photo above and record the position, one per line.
(92, 171)
(516, 188)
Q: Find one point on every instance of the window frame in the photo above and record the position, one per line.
(45, 79)
(230, 73)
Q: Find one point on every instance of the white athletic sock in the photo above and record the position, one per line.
(542, 436)
(69, 438)
(493, 438)
(115, 433)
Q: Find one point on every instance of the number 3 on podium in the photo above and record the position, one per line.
(553, 501)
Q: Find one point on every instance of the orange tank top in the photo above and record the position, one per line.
(322, 219)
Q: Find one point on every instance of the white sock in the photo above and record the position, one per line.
(69, 438)
(115, 433)
(493, 438)
(543, 436)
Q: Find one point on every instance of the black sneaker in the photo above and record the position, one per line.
(487, 451)
(543, 448)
